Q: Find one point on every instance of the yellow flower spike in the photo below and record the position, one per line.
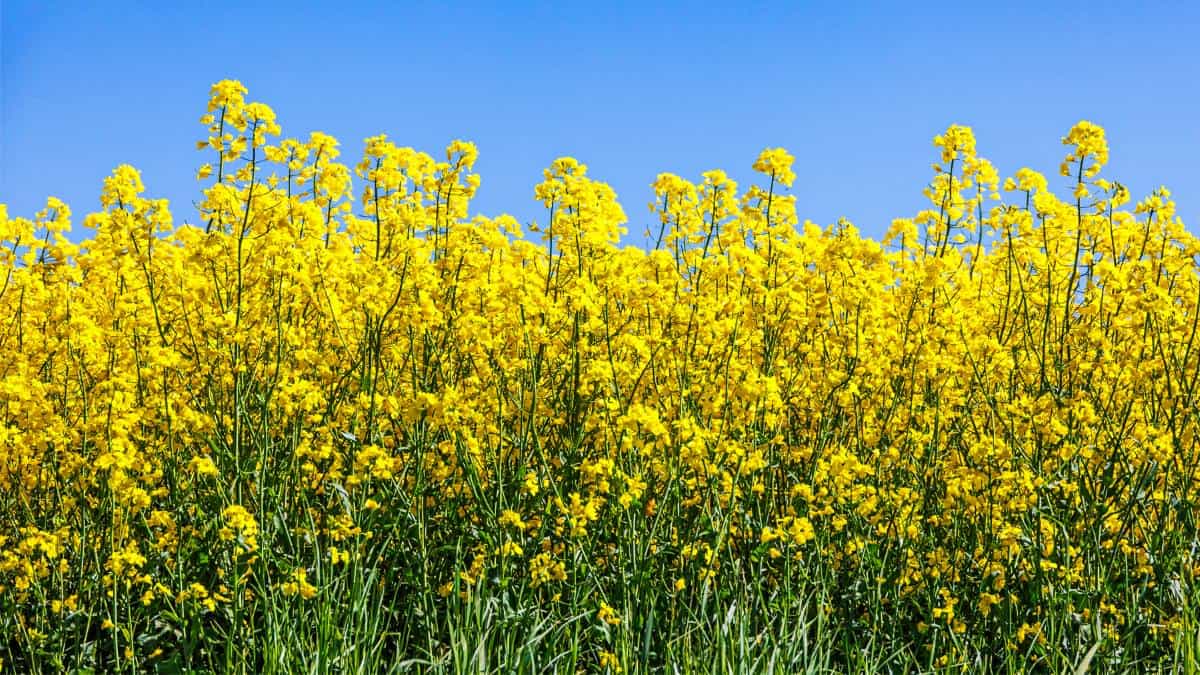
(776, 163)
(958, 142)
(1089, 142)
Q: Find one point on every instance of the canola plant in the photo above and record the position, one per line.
(340, 391)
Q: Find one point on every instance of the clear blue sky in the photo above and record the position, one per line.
(856, 93)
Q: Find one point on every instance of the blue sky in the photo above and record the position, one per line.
(856, 92)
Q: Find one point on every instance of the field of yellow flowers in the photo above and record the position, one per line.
(342, 425)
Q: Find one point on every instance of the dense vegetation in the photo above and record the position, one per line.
(341, 425)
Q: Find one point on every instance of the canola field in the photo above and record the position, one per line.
(343, 424)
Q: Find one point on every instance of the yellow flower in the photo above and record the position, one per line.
(986, 602)
(776, 163)
(608, 615)
(543, 569)
(530, 484)
(299, 585)
(337, 556)
(240, 524)
(203, 466)
(511, 518)
(609, 660)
